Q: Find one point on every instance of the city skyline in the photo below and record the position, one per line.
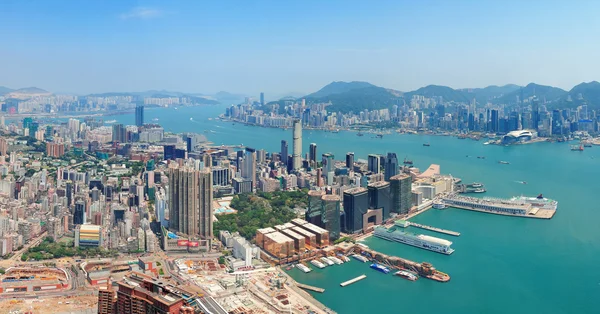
(124, 46)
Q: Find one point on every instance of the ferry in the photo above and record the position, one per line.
(303, 268)
(475, 185)
(406, 275)
(479, 190)
(317, 263)
(504, 162)
(417, 240)
(380, 268)
(327, 261)
(360, 258)
(439, 205)
(426, 144)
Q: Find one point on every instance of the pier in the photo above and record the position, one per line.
(311, 288)
(351, 281)
(430, 228)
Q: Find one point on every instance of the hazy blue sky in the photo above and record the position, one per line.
(88, 46)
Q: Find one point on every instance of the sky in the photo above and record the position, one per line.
(278, 47)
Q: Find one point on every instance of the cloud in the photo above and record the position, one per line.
(141, 13)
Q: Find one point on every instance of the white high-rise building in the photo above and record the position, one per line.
(297, 136)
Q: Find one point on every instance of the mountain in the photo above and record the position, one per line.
(584, 93)
(355, 96)
(488, 94)
(447, 93)
(196, 98)
(338, 88)
(5, 90)
(542, 92)
(229, 98)
(31, 90)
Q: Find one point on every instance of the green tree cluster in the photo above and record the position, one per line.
(261, 210)
(49, 249)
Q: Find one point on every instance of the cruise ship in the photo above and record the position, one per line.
(540, 201)
(417, 240)
(335, 260)
(303, 268)
(317, 263)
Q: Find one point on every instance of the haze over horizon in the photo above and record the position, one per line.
(97, 46)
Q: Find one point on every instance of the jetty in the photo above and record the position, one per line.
(430, 228)
(311, 288)
(351, 281)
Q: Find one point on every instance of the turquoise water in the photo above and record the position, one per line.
(501, 264)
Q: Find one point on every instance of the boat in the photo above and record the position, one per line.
(475, 185)
(539, 201)
(360, 258)
(380, 268)
(379, 136)
(408, 161)
(344, 258)
(426, 144)
(209, 119)
(578, 148)
(191, 119)
(359, 134)
(327, 261)
(406, 275)
(317, 263)
(335, 260)
(289, 267)
(303, 268)
(480, 157)
(479, 190)
(486, 143)
(155, 119)
(504, 162)
(417, 240)
(438, 205)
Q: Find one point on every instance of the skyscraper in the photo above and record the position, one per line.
(374, 163)
(262, 99)
(312, 155)
(327, 161)
(535, 113)
(190, 201)
(380, 198)
(284, 152)
(495, 122)
(401, 193)
(119, 134)
(297, 155)
(350, 160)
(249, 169)
(356, 204)
(391, 166)
(79, 213)
(139, 115)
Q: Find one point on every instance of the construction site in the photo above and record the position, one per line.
(257, 291)
(34, 279)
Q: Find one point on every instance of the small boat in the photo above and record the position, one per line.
(155, 119)
(475, 185)
(408, 161)
(578, 148)
(359, 134)
(504, 162)
(379, 136)
(480, 157)
(380, 268)
(426, 144)
(479, 190)
(406, 275)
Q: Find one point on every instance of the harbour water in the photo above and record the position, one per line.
(501, 264)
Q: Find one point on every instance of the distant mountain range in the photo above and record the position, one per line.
(356, 96)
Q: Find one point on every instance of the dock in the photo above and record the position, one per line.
(430, 228)
(311, 288)
(351, 281)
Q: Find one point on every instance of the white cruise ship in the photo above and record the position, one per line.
(327, 261)
(335, 260)
(540, 201)
(417, 240)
